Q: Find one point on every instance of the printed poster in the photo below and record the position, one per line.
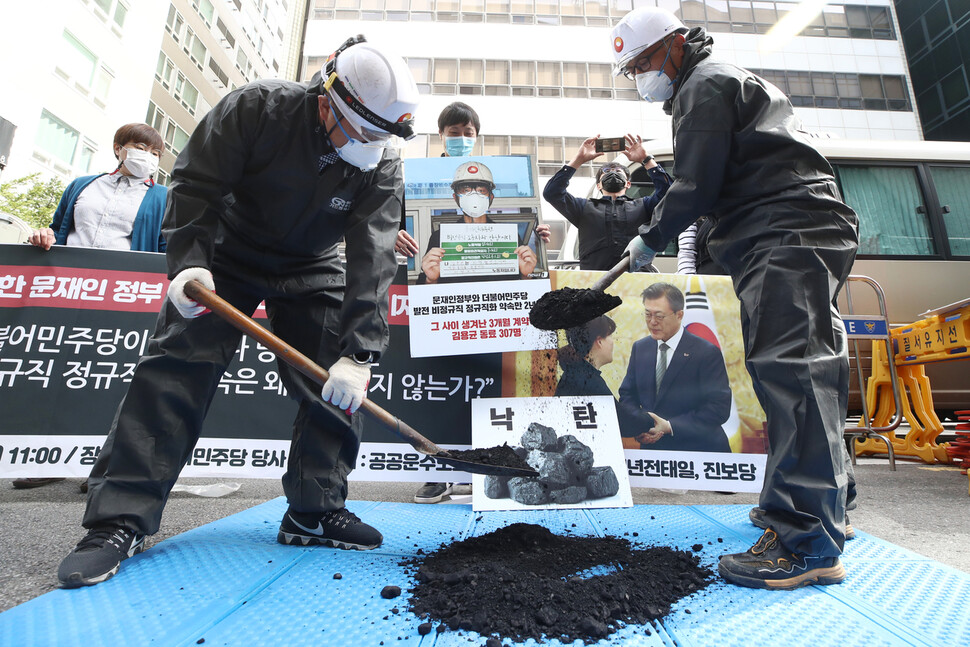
(573, 442)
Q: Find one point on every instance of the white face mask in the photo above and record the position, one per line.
(474, 204)
(141, 164)
(357, 153)
(364, 157)
(655, 86)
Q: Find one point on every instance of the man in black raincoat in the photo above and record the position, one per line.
(270, 181)
(787, 239)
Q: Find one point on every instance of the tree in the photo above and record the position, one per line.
(31, 199)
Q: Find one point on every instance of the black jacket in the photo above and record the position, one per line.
(249, 173)
(738, 150)
(606, 225)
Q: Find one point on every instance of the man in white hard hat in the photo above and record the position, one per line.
(788, 240)
(270, 181)
(473, 192)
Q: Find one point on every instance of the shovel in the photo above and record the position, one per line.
(198, 292)
(568, 308)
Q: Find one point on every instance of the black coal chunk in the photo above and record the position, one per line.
(569, 307)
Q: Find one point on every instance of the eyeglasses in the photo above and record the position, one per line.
(655, 316)
(468, 190)
(637, 67)
(369, 136)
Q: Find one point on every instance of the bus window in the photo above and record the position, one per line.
(892, 212)
(953, 189)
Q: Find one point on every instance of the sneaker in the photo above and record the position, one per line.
(769, 565)
(757, 517)
(26, 484)
(433, 492)
(337, 528)
(98, 556)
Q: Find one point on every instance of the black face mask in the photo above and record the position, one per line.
(613, 182)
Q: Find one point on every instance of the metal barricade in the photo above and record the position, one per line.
(874, 328)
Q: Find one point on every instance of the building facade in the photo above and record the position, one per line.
(936, 36)
(82, 68)
(75, 70)
(210, 47)
(538, 71)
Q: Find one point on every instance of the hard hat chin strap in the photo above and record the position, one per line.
(403, 129)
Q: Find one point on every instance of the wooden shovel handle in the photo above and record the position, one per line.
(201, 294)
(612, 275)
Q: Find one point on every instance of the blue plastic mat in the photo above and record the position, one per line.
(230, 583)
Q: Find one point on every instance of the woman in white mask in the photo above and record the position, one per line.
(118, 210)
(474, 191)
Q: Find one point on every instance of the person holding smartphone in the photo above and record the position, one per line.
(606, 224)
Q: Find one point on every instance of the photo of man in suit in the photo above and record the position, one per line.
(676, 394)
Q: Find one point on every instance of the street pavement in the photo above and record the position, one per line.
(920, 507)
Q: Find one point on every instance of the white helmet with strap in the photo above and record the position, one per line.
(374, 91)
(472, 173)
(638, 30)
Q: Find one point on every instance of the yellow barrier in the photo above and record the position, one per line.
(943, 336)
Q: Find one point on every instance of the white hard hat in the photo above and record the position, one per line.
(638, 30)
(472, 173)
(374, 91)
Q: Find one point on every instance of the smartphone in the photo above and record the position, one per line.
(610, 145)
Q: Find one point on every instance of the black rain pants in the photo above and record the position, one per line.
(788, 263)
(159, 421)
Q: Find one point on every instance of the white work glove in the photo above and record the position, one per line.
(176, 291)
(640, 255)
(347, 386)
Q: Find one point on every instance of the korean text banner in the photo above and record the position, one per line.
(73, 323)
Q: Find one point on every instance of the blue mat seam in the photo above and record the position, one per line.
(244, 598)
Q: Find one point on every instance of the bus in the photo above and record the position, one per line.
(913, 201)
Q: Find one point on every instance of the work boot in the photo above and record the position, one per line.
(757, 518)
(433, 492)
(769, 565)
(337, 528)
(98, 556)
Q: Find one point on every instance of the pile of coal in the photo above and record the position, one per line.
(523, 581)
(569, 307)
(566, 471)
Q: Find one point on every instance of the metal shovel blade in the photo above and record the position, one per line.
(199, 293)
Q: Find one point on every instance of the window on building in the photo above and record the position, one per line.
(850, 91)
(174, 24)
(186, 93)
(892, 211)
(155, 117)
(206, 11)
(86, 156)
(121, 12)
(220, 75)
(953, 189)
(197, 51)
(175, 137)
(873, 96)
(226, 34)
(445, 76)
(76, 61)
(495, 145)
(164, 71)
(497, 78)
(600, 81)
(56, 138)
(102, 85)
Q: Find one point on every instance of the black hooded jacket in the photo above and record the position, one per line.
(738, 149)
(247, 189)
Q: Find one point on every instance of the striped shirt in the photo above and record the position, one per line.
(104, 213)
